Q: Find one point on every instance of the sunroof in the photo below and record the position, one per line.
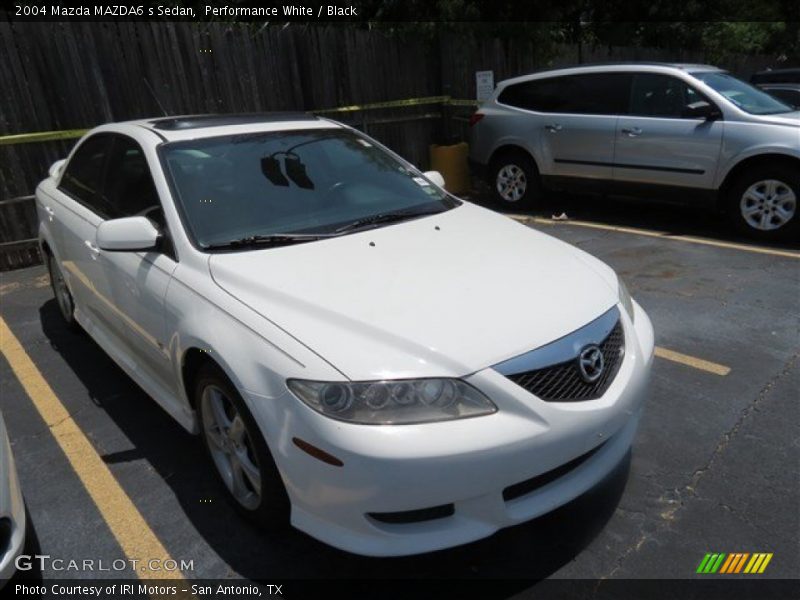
(197, 121)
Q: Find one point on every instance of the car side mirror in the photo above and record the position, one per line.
(435, 177)
(127, 234)
(701, 110)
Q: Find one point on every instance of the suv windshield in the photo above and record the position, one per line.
(742, 94)
(318, 181)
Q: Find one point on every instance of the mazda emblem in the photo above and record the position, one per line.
(591, 363)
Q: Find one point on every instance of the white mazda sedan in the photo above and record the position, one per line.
(387, 367)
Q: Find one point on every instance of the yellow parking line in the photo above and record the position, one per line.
(659, 234)
(692, 361)
(132, 532)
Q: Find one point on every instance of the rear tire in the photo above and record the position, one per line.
(66, 305)
(238, 452)
(515, 180)
(764, 203)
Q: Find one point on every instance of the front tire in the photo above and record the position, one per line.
(514, 180)
(238, 452)
(66, 305)
(763, 203)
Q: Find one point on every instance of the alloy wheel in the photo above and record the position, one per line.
(768, 204)
(511, 183)
(231, 447)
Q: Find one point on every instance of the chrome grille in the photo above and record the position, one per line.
(562, 382)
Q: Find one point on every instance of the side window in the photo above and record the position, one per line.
(83, 177)
(656, 95)
(541, 95)
(589, 93)
(129, 186)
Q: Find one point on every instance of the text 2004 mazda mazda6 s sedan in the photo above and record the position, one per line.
(392, 369)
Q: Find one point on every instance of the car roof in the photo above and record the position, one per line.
(777, 76)
(656, 67)
(185, 127)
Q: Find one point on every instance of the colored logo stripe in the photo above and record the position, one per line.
(710, 563)
(734, 563)
(758, 563)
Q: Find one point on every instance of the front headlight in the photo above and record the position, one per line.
(625, 298)
(393, 402)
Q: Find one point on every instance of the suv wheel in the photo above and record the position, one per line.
(66, 306)
(763, 202)
(238, 452)
(515, 179)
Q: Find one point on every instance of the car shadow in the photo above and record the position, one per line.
(670, 218)
(520, 555)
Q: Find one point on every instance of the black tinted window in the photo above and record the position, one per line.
(129, 185)
(656, 95)
(83, 176)
(592, 93)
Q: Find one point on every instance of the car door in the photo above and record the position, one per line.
(136, 282)
(579, 122)
(79, 212)
(657, 143)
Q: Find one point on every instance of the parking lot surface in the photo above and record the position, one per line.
(715, 466)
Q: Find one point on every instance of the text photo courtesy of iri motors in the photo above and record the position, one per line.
(378, 299)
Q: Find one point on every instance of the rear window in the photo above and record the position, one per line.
(590, 93)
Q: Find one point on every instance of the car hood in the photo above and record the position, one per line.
(791, 119)
(444, 295)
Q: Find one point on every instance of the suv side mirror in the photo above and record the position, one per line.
(127, 234)
(701, 110)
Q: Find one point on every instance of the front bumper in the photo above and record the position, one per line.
(465, 465)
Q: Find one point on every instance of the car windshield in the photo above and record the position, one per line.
(237, 190)
(742, 94)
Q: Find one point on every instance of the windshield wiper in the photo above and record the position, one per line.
(391, 217)
(276, 239)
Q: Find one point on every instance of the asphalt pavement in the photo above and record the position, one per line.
(715, 466)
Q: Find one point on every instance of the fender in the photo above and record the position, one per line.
(229, 332)
(731, 162)
(512, 140)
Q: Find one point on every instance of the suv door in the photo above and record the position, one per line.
(137, 281)
(83, 210)
(578, 123)
(657, 143)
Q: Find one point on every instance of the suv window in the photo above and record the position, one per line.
(590, 93)
(657, 95)
(83, 176)
(129, 185)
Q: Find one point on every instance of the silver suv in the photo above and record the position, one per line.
(691, 132)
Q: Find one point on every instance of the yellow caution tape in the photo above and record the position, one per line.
(41, 136)
(48, 136)
(389, 104)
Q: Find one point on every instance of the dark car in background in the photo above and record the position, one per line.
(784, 84)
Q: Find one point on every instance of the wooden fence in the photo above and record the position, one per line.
(72, 75)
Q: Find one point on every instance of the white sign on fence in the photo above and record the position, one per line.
(484, 85)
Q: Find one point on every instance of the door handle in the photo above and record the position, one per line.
(92, 248)
(631, 131)
(553, 128)
(50, 212)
